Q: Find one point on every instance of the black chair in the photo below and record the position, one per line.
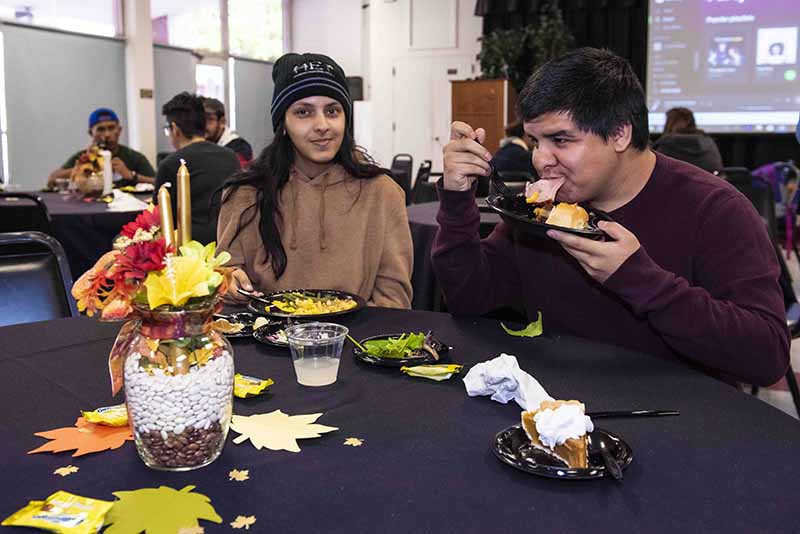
(34, 279)
(515, 176)
(423, 173)
(425, 191)
(760, 194)
(402, 166)
(24, 212)
(792, 321)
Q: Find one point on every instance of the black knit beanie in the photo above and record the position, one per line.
(299, 76)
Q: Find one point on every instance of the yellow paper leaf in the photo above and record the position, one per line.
(66, 470)
(243, 522)
(239, 476)
(162, 510)
(191, 530)
(277, 430)
(354, 442)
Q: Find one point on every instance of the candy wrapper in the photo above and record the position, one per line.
(108, 415)
(62, 512)
(436, 372)
(248, 386)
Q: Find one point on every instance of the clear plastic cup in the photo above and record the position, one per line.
(316, 351)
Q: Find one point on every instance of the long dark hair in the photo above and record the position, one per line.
(269, 172)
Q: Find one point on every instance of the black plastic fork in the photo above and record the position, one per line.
(499, 185)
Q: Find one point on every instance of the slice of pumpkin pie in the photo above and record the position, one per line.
(560, 428)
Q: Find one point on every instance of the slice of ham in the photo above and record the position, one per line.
(547, 190)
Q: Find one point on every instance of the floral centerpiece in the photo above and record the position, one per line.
(176, 368)
(87, 174)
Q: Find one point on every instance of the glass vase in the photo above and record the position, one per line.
(178, 387)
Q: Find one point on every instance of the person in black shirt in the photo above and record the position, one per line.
(514, 154)
(217, 131)
(683, 140)
(209, 165)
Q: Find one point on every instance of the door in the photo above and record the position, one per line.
(421, 105)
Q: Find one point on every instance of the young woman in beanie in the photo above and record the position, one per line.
(313, 210)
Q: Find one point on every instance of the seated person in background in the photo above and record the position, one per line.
(209, 165)
(313, 210)
(217, 131)
(684, 141)
(514, 153)
(687, 272)
(128, 165)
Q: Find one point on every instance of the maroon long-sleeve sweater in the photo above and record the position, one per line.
(703, 287)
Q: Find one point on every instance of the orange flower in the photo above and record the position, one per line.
(91, 288)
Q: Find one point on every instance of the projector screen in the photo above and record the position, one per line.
(734, 63)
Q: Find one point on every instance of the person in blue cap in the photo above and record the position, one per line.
(129, 166)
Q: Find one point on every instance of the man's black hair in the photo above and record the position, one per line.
(596, 88)
(186, 110)
(212, 105)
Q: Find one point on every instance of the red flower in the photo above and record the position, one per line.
(137, 260)
(145, 220)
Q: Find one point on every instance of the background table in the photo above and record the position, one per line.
(86, 230)
(728, 463)
(422, 219)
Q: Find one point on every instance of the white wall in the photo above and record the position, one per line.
(329, 27)
(390, 31)
(370, 41)
(48, 101)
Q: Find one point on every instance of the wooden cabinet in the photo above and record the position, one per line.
(488, 104)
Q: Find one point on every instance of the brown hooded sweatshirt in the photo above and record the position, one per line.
(338, 232)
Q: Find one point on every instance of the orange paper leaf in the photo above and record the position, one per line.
(84, 438)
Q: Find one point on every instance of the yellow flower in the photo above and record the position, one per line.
(183, 278)
(193, 249)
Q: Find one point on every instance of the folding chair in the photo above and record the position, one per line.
(24, 212)
(35, 279)
(402, 165)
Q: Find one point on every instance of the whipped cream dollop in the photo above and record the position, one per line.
(565, 422)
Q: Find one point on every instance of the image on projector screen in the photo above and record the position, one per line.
(776, 46)
(734, 63)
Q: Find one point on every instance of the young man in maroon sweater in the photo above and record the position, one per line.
(688, 271)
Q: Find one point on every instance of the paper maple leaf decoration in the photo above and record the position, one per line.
(353, 442)
(66, 470)
(277, 430)
(162, 510)
(84, 437)
(239, 476)
(243, 521)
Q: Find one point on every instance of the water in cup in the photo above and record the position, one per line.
(316, 350)
(316, 371)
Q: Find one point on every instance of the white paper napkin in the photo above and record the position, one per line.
(502, 378)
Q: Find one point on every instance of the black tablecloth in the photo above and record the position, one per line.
(86, 230)
(728, 463)
(422, 219)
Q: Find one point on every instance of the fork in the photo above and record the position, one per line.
(500, 186)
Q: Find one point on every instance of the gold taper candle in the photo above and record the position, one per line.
(165, 213)
(184, 205)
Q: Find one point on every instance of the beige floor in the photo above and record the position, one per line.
(779, 398)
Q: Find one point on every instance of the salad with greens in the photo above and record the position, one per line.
(407, 345)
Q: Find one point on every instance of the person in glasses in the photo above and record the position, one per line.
(313, 210)
(128, 165)
(209, 164)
